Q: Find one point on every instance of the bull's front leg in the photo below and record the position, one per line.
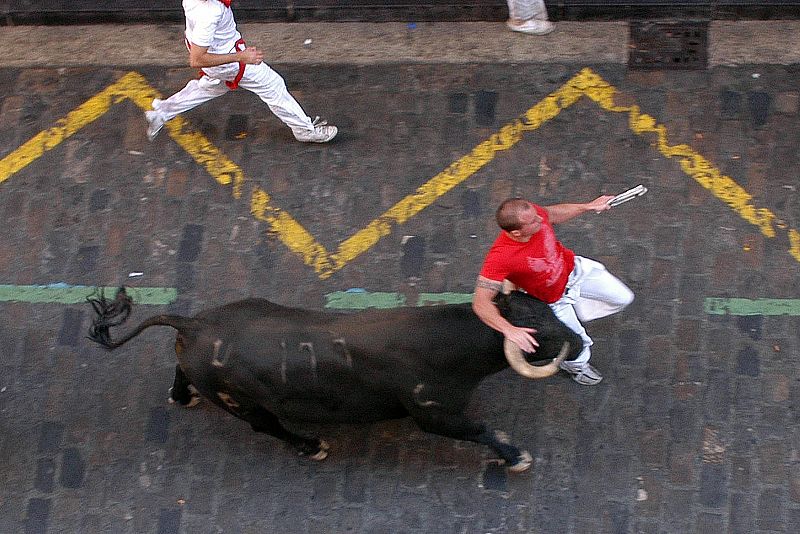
(459, 426)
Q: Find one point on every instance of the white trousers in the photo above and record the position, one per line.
(592, 292)
(527, 10)
(260, 79)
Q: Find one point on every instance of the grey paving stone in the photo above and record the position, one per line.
(760, 104)
(709, 523)
(50, 436)
(169, 521)
(413, 259)
(713, 492)
(748, 361)
(73, 467)
(485, 104)
(158, 425)
(45, 471)
(730, 104)
(191, 243)
(771, 510)
(37, 516)
(494, 477)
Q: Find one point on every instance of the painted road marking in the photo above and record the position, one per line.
(131, 86)
(736, 306)
(69, 294)
(586, 83)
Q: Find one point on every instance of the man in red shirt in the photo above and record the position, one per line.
(528, 254)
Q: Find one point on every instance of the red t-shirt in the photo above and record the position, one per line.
(541, 266)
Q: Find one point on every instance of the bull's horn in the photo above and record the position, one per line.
(518, 362)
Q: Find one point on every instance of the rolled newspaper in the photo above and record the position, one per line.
(630, 194)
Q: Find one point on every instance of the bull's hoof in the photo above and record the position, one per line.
(321, 454)
(323, 451)
(193, 400)
(522, 464)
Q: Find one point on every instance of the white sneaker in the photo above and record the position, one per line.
(155, 121)
(322, 132)
(586, 375)
(532, 27)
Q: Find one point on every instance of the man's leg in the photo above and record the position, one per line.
(192, 95)
(593, 293)
(601, 293)
(579, 368)
(270, 87)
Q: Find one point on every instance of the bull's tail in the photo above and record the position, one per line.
(110, 313)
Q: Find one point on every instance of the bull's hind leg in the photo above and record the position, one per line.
(182, 391)
(459, 426)
(263, 421)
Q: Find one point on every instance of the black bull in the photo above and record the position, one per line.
(265, 363)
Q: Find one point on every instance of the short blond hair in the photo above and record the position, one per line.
(508, 213)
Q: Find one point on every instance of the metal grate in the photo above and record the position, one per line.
(668, 45)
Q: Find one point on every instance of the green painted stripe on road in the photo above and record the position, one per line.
(69, 294)
(736, 306)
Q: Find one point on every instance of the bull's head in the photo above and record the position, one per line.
(521, 309)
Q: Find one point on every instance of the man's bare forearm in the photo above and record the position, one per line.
(484, 307)
(200, 61)
(560, 213)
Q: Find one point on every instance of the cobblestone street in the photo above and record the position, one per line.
(694, 428)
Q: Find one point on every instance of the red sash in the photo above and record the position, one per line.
(239, 47)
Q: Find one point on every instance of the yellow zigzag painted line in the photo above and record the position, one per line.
(586, 83)
(131, 86)
(693, 164)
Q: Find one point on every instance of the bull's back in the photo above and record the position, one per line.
(323, 366)
(297, 372)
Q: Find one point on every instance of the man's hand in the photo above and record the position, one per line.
(484, 307)
(522, 337)
(251, 55)
(600, 203)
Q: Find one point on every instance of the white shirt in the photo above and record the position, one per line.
(209, 23)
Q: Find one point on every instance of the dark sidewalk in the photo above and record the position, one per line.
(694, 428)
